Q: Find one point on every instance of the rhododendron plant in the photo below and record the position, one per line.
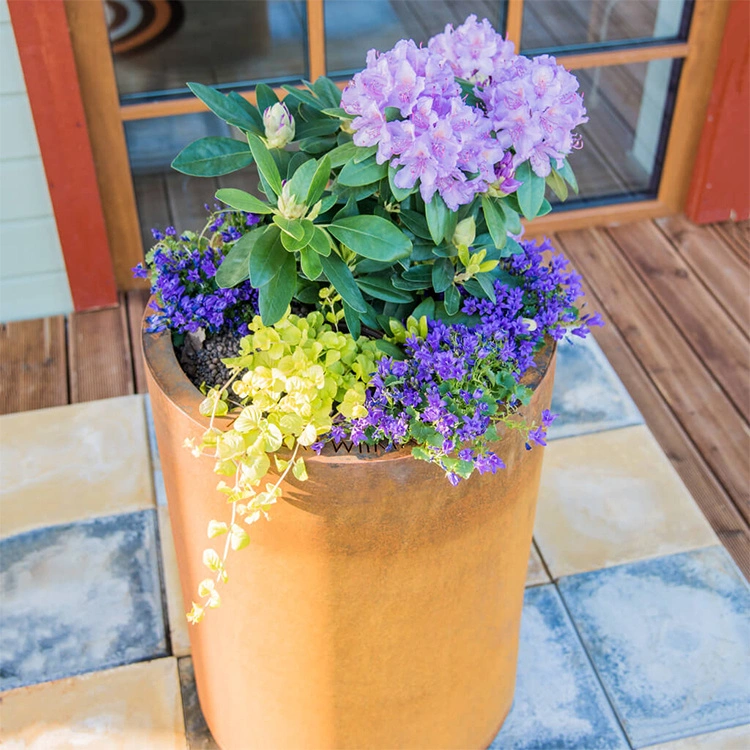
(379, 270)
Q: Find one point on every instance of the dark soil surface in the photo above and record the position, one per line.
(201, 360)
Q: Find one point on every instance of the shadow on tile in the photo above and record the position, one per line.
(588, 395)
(559, 702)
(669, 638)
(80, 598)
(196, 730)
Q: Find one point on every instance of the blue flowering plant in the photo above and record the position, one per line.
(388, 295)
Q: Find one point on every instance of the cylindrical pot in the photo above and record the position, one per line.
(378, 608)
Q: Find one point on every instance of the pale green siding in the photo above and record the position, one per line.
(33, 282)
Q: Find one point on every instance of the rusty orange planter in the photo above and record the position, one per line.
(379, 608)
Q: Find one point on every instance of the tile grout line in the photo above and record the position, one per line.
(615, 712)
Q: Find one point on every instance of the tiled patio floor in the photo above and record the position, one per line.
(636, 626)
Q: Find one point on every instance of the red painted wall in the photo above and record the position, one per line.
(720, 187)
(46, 53)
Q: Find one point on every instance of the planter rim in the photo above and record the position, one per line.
(159, 357)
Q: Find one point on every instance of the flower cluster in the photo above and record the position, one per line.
(182, 270)
(529, 108)
(534, 105)
(459, 382)
(440, 141)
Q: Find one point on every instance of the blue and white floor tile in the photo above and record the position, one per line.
(588, 396)
(559, 702)
(670, 640)
(79, 598)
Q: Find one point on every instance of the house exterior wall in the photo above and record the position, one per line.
(33, 281)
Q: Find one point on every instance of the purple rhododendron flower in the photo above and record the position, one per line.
(525, 110)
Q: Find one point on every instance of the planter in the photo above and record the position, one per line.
(379, 608)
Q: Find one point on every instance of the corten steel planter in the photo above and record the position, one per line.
(379, 608)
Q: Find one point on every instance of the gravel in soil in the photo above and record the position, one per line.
(200, 357)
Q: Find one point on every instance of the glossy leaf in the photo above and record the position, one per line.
(338, 273)
(415, 223)
(292, 243)
(390, 350)
(437, 215)
(212, 157)
(531, 191)
(265, 96)
(364, 173)
(558, 185)
(266, 165)
(452, 300)
(320, 242)
(353, 322)
(371, 237)
(275, 296)
(235, 268)
(310, 262)
(316, 128)
(243, 201)
(319, 181)
(267, 257)
(342, 154)
(299, 184)
(493, 215)
(250, 109)
(512, 219)
(442, 274)
(328, 92)
(567, 174)
(222, 106)
(400, 194)
(382, 289)
(292, 227)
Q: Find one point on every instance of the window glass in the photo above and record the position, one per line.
(558, 24)
(159, 45)
(629, 108)
(353, 27)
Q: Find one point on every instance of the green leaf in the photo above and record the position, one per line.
(235, 269)
(511, 248)
(292, 227)
(364, 152)
(567, 174)
(546, 207)
(485, 281)
(310, 262)
(212, 157)
(531, 191)
(338, 273)
(275, 296)
(495, 222)
(558, 185)
(342, 114)
(293, 244)
(399, 194)
(267, 257)
(317, 145)
(266, 165)
(316, 128)
(342, 154)
(265, 96)
(415, 223)
(425, 307)
(349, 209)
(364, 173)
(319, 181)
(391, 350)
(297, 159)
(243, 201)
(512, 219)
(250, 109)
(438, 223)
(225, 108)
(353, 322)
(303, 97)
(328, 92)
(442, 274)
(452, 300)
(320, 243)
(372, 237)
(381, 288)
(420, 453)
(299, 184)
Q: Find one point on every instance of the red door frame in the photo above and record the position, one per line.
(46, 53)
(720, 187)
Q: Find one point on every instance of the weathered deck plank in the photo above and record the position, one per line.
(33, 365)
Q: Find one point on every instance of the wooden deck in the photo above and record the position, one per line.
(676, 300)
